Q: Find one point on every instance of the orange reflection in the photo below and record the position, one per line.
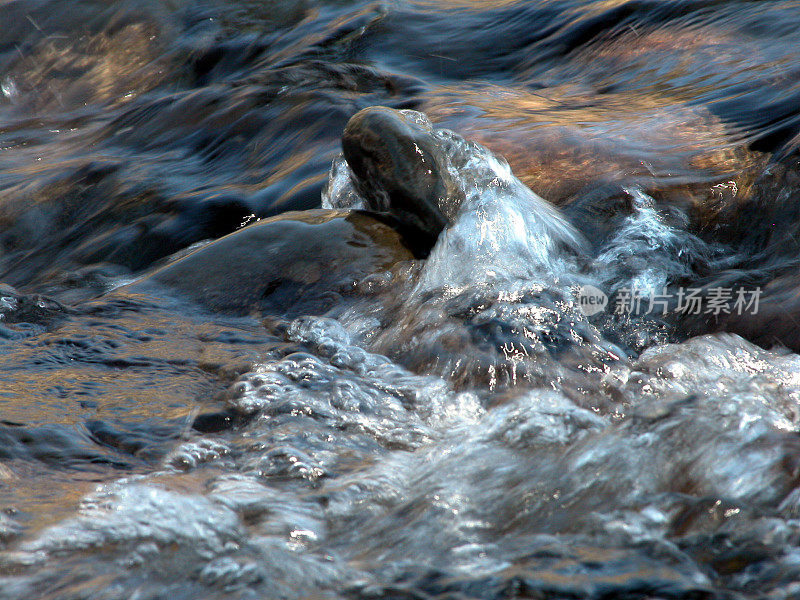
(561, 139)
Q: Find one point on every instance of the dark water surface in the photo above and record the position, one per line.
(444, 428)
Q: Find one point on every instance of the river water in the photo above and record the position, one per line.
(450, 427)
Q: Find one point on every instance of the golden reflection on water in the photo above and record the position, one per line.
(115, 372)
(623, 109)
(113, 66)
(150, 370)
(561, 139)
(465, 4)
(36, 495)
(597, 5)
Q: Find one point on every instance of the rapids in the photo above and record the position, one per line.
(455, 426)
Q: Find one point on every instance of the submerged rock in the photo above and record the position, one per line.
(297, 263)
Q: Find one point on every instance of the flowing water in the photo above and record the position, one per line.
(455, 426)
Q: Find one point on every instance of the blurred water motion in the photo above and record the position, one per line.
(452, 427)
